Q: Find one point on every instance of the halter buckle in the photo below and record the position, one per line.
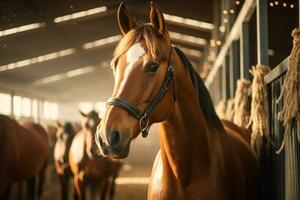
(144, 129)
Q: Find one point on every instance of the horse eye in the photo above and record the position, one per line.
(151, 67)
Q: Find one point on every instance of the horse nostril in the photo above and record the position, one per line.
(114, 139)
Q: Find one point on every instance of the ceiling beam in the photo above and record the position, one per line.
(188, 23)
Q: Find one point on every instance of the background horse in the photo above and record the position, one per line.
(64, 137)
(96, 171)
(23, 155)
(51, 129)
(155, 82)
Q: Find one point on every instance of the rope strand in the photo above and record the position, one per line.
(241, 103)
(290, 92)
(259, 117)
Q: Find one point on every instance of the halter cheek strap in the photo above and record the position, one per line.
(143, 117)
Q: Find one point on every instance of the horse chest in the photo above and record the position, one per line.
(162, 186)
(77, 148)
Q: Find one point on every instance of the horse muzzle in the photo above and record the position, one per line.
(114, 146)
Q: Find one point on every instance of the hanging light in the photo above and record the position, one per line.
(237, 2)
(222, 29)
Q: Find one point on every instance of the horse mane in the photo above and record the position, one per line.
(205, 101)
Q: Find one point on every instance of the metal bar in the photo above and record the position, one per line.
(224, 82)
(231, 72)
(227, 77)
(244, 51)
(244, 16)
(220, 86)
(262, 32)
(277, 71)
(236, 67)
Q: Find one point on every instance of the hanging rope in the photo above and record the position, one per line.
(221, 109)
(290, 92)
(241, 103)
(259, 117)
(229, 110)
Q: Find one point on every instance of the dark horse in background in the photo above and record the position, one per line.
(23, 156)
(64, 137)
(155, 83)
(88, 169)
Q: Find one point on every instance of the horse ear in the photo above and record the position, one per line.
(125, 20)
(157, 18)
(58, 124)
(82, 114)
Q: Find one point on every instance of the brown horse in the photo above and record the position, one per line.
(154, 82)
(96, 171)
(243, 132)
(23, 155)
(64, 137)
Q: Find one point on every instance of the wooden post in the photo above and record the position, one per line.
(12, 110)
(224, 82)
(262, 32)
(244, 51)
(227, 77)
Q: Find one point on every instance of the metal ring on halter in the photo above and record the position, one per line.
(144, 129)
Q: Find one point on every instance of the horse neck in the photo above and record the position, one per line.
(184, 135)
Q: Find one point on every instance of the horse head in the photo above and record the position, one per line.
(144, 84)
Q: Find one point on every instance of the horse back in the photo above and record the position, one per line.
(233, 128)
(22, 150)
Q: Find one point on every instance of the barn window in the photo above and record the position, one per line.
(100, 108)
(54, 111)
(35, 108)
(5, 106)
(26, 107)
(17, 106)
(86, 106)
(50, 110)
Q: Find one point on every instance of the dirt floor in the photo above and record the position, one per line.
(131, 185)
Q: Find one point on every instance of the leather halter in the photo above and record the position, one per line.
(143, 116)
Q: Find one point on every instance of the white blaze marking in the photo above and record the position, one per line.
(134, 53)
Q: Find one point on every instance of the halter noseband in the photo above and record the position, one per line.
(143, 117)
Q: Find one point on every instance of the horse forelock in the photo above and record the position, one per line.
(143, 33)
